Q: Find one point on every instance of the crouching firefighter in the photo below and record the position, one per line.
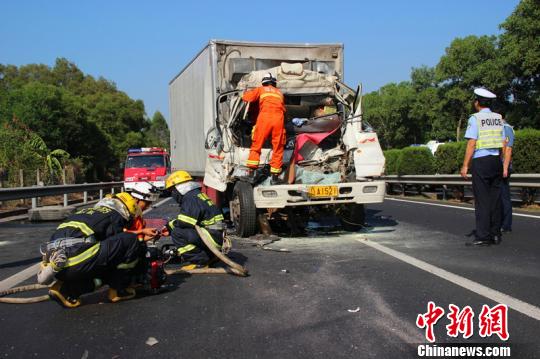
(196, 208)
(90, 248)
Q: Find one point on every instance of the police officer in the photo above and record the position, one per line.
(92, 244)
(485, 142)
(196, 208)
(506, 222)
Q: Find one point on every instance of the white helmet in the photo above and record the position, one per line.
(145, 191)
(268, 79)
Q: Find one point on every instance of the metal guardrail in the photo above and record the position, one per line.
(516, 180)
(8, 194)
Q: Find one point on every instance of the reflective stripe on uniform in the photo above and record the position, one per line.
(187, 219)
(252, 162)
(490, 139)
(213, 220)
(275, 170)
(490, 131)
(217, 245)
(128, 265)
(87, 254)
(83, 227)
(272, 95)
(186, 248)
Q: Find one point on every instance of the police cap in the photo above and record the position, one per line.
(484, 94)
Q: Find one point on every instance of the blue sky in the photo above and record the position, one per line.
(141, 45)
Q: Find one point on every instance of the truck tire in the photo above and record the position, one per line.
(353, 217)
(243, 211)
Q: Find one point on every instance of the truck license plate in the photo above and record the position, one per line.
(323, 191)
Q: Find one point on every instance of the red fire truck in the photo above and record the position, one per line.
(147, 164)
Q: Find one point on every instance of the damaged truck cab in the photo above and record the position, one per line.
(332, 157)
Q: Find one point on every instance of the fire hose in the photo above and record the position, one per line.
(232, 268)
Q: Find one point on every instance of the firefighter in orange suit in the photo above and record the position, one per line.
(270, 121)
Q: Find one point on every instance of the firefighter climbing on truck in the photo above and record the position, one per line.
(196, 208)
(270, 122)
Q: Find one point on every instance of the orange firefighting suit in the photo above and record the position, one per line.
(269, 121)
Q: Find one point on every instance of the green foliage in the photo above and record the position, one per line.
(391, 158)
(521, 51)
(158, 134)
(449, 157)
(436, 103)
(415, 161)
(526, 151)
(388, 111)
(86, 117)
(52, 161)
(15, 153)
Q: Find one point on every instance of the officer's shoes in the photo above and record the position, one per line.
(497, 239)
(479, 243)
(117, 295)
(58, 294)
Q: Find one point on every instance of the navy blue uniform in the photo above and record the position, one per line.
(109, 253)
(196, 209)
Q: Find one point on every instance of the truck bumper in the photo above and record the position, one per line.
(128, 186)
(281, 196)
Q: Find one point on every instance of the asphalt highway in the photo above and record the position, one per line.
(333, 295)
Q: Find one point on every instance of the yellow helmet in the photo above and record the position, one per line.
(177, 177)
(129, 202)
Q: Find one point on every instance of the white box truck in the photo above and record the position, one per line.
(332, 161)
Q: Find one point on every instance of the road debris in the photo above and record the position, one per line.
(151, 341)
(354, 310)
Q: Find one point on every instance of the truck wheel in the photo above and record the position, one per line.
(243, 211)
(353, 217)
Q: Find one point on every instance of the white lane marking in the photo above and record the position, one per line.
(33, 269)
(494, 295)
(13, 218)
(450, 206)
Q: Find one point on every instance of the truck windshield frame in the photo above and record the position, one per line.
(145, 161)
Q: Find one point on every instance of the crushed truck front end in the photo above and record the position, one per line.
(281, 196)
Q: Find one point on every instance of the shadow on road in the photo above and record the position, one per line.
(374, 220)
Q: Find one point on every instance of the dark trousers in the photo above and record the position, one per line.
(183, 237)
(506, 204)
(122, 250)
(486, 180)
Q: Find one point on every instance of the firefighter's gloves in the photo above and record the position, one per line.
(46, 274)
(47, 270)
(58, 259)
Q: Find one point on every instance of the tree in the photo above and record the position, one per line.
(521, 53)
(52, 161)
(158, 134)
(86, 117)
(388, 110)
(468, 63)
